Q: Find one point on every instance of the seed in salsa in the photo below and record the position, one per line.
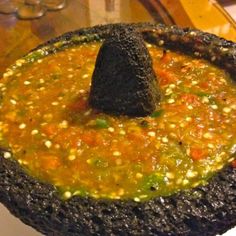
(46, 122)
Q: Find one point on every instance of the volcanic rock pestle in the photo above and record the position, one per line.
(123, 82)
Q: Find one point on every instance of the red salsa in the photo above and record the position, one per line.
(46, 121)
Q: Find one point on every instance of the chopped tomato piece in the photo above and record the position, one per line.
(165, 77)
(197, 154)
(88, 138)
(50, 129)
(204, 85)
(166, 58)
(234, 163)
(49, 162)
(190, 99)
(79, 105)
(92, 138)
(137, 137)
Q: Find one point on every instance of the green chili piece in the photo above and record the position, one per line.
(157, 113)
(101, 124)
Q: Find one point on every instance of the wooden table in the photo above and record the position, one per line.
(20, 36)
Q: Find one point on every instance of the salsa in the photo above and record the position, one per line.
(49, 128)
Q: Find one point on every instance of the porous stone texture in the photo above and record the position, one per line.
(123, 82)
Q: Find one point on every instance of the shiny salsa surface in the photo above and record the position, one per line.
(46, 121)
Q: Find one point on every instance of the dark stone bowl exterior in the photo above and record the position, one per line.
(206, 210)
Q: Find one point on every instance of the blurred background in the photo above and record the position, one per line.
(26, 23)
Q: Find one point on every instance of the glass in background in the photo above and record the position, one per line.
(30, 9)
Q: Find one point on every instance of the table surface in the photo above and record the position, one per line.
(20, 36)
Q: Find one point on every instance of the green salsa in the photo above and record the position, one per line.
(46, 121)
